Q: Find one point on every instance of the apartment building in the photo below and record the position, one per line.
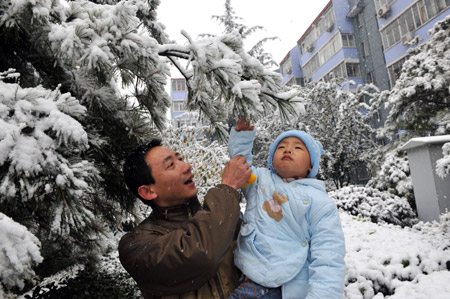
(327, 46)
(180, 116)
(365, 41)
(400, 22)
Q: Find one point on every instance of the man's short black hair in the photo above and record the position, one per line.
(136, 170)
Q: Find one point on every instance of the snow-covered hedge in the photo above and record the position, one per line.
(378, 206)
(19, 252)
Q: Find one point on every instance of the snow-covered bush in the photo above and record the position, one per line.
(394, 176)
(443, 164)
(378, 206)
(206, 157)
(19, 252)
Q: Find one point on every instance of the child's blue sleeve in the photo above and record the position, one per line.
(241, 143)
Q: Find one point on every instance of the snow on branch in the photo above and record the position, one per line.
(19, 252)
(38, 133)
(221, 75)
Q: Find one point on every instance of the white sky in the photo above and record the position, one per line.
(285, 19)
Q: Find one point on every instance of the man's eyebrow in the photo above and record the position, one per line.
(167, 159)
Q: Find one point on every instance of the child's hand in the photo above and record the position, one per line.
(250, 180)
(243, 125)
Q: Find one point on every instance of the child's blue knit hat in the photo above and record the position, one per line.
(314, 147)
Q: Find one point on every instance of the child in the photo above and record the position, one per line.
(291, 239)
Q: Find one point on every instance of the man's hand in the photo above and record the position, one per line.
(236, 172)
(243, 125)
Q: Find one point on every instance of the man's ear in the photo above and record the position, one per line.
(147, 192)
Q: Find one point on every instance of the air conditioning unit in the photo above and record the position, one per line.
(383, 11)
(407, 38)
(309, 48)
(330, 27)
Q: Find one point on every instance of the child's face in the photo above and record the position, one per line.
(291, 158)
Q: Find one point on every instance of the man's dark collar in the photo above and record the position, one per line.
(178, 212)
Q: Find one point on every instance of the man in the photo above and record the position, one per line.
(182, 250)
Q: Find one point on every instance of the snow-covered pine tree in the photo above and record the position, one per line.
(99, 71)
(420, 100)
(47, 182)
(232, 22)
(340, 120)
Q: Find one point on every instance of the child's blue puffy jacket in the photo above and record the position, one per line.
(291, 234)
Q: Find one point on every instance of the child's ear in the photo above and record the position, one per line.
(147, 192)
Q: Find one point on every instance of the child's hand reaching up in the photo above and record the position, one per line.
(243, 125)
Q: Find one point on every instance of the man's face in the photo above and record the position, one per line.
(291, 158)
(174, 183)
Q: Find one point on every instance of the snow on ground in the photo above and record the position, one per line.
(395, 260)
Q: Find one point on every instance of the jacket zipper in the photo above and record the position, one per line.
(218, 287)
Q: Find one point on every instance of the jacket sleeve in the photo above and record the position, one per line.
(183, 259)
(327, 268)
(241, 143)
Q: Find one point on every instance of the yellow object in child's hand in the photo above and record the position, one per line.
(250, 180)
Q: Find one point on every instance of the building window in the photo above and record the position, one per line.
(369, 77)
(395, 70)
(411, 19)
(353, 70)
(178, 85)
(365, 49)
(345, 70)
(287, 67)
(323, 55)
(324, 24)
(339, 71)
(327, 51)
(348, 40)
(178, 106)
